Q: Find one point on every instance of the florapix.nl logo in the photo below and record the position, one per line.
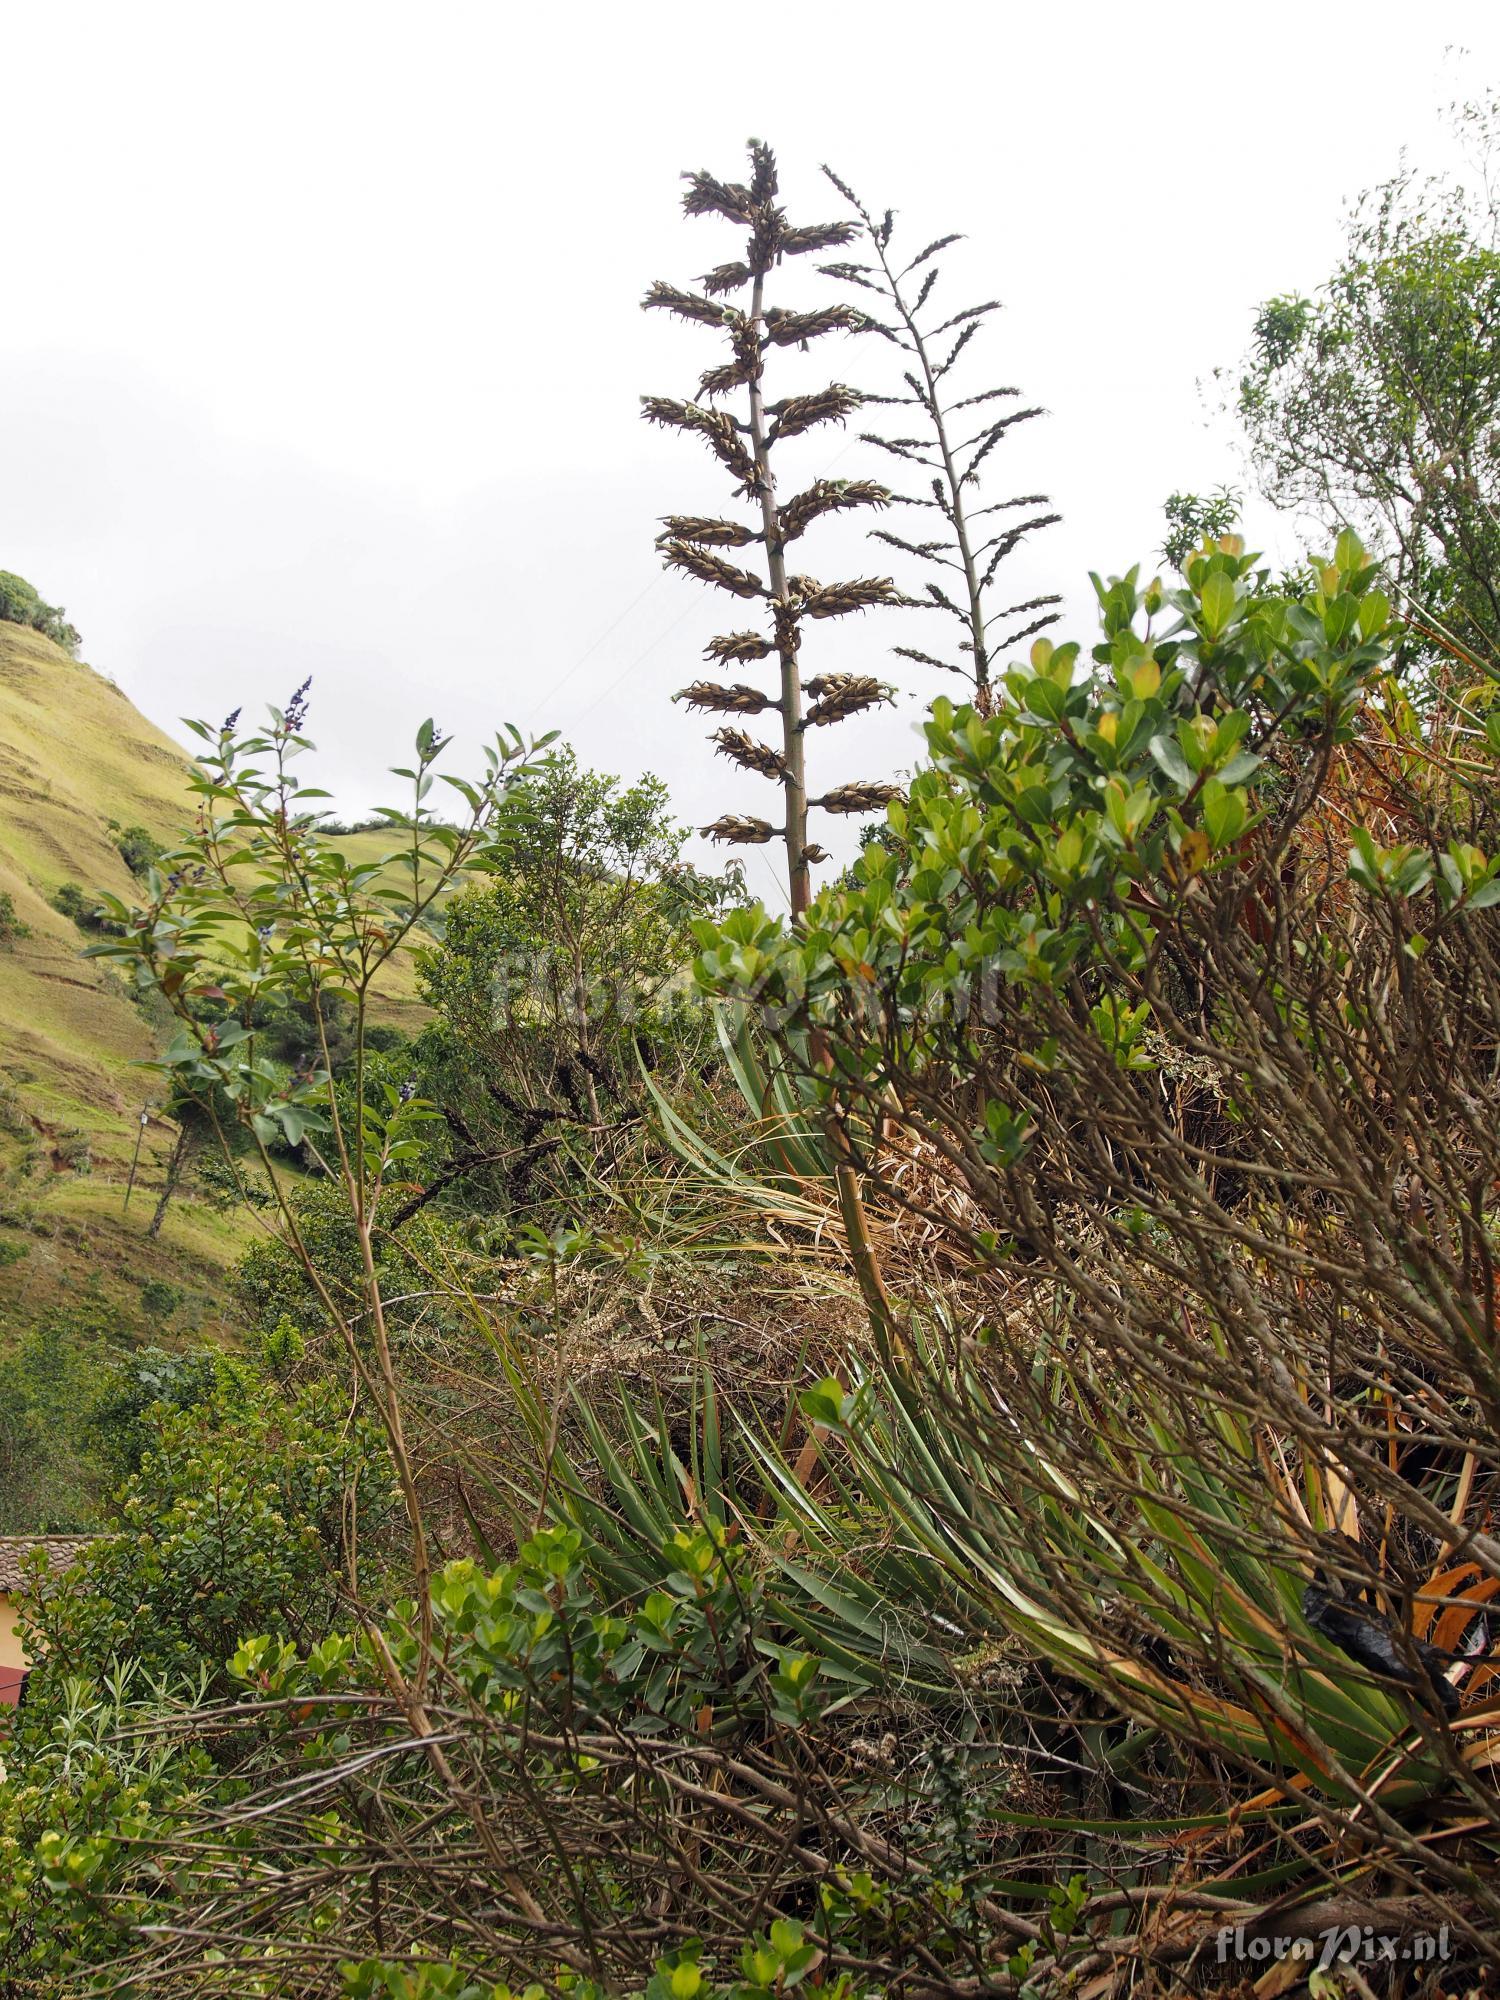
(1338, 1944)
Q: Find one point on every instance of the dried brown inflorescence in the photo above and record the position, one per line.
(863, 796)
(744, 432)
(838, 695)
(748, 754)
(739, 646)
(705, 530)
(837, 600)
(827, 496)
(735, 700)
(739, 830)
(696, 561)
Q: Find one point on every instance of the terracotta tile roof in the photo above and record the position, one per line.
(60, 1551)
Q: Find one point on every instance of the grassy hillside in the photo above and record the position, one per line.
(74, 755)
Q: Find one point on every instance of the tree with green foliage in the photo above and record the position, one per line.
(1377, 401)
(1193, 518)
(559, 974)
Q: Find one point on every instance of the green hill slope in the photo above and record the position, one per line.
(81, 1281)
(74, 756)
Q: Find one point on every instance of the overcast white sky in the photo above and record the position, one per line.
(320, 345)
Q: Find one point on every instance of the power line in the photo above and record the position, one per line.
(589, 651)
(553, 692)
(681, 619)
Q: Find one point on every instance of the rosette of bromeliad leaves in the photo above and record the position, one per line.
(744, 431)
(1057, 826)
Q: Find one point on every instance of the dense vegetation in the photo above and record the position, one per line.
(941, 1443)
(20, 604)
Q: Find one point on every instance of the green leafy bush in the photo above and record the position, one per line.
(72, 901)
(235, 1519)
(138, 849)
(160, 1299)
(12, 929)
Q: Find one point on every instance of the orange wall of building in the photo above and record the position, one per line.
(12, 1659)
(10, 1641)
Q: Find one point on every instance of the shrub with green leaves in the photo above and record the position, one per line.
(1171, 1012)
(1028, 840)
(237, 1517)
(12, 929)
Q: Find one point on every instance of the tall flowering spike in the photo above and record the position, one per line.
(745, 432)
(957, 438)
(296, 708)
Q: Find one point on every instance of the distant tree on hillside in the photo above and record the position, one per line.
(21, 605)
(1376, 401)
